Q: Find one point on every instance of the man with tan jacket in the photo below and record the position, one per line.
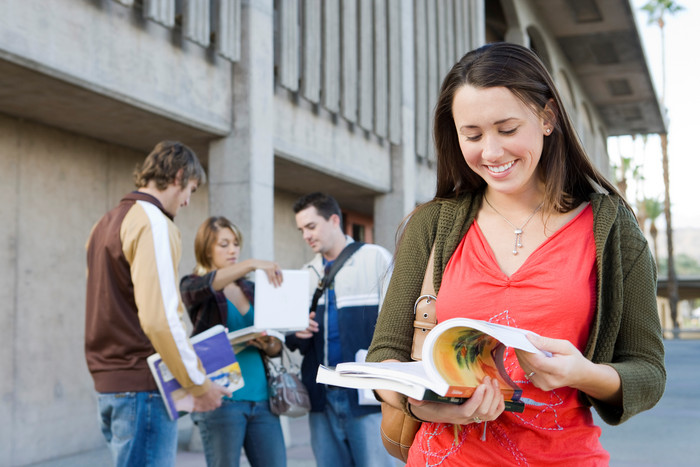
(133, 309)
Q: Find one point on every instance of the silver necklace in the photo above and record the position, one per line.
(518, 231)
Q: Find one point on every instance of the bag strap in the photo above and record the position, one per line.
(424, 318)
(282, 367)
(327, 279)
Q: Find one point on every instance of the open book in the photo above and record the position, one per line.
(457, 354)
(239, 339)
(216, 354)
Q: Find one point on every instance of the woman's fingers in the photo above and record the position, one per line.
(273, 272)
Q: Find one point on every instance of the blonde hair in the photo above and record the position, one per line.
(205, 239)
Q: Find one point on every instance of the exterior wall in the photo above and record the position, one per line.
(111, 50)
(314, 140)
(56, 185)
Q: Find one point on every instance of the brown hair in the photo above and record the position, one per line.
(568, 173)
(205, 239)
(324, 203)
(163, 164)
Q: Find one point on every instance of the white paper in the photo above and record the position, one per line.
(284, 308)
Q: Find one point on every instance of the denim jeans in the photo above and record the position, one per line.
(241, 424)
(137, 428)
(340, 440)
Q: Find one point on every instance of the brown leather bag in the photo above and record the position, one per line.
(397, 428)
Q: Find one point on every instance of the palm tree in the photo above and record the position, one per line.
(656, 10)
(653, 208)
(626, 170)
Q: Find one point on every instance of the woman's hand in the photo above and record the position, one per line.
(568, 367)
(486, 404)
(268, 344)
(272, 270)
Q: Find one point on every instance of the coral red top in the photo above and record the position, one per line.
(553, 294)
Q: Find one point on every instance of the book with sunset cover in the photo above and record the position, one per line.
(457, 354)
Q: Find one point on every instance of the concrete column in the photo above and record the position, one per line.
(390, 209)
(518, 36)
(241, 165)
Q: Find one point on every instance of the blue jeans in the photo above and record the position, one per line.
(241, 424)
(340, 440)
(137, 428)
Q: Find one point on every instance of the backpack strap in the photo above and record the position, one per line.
(327, 279)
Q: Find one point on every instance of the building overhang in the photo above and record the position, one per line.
(601, 42)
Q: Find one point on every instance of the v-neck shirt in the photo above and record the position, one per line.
(553, 293)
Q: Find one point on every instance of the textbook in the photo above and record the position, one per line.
(218, 359)
(239, 339)
(457, 354)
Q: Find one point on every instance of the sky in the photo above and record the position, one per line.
(682, 100)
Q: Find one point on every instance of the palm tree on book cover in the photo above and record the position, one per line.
(466, 357)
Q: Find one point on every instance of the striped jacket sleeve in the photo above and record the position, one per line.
(151, 244)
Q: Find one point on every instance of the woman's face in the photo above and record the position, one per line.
(500, 137)
(225, 250)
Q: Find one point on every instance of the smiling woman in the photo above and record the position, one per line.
(526, 233)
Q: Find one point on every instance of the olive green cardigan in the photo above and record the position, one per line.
(625, 332)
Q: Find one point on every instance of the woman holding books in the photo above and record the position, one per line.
(527, 233)
(218, 293)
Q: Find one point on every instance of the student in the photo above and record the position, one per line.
(529, 234)
(133, 310)
(343, 432)
(218, 293)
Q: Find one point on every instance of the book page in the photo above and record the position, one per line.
(362, 381)
(462, 352)
(404, 372)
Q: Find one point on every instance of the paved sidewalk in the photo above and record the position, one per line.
(666, 435)
(298, 452)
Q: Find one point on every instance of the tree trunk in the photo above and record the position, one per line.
(653, 231)
(672, 279)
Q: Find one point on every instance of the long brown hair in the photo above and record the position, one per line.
(565, 168)
(205, 239)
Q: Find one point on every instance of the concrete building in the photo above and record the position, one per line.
(279, 98)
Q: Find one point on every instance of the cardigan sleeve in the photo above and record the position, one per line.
(631, 330)
(393, 335)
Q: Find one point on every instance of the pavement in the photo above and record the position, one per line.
(669, 433)
(666, 435)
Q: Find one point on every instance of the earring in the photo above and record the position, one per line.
(548, 130)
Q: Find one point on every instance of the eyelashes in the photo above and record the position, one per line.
(501, 132)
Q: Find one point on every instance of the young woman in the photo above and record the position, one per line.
(217, 293)
(526, 233)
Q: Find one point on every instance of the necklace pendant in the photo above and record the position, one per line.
(518, 231)
(518, 241)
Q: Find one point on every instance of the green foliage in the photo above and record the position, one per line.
(657, 8)
(653, 208)
(468, 346)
